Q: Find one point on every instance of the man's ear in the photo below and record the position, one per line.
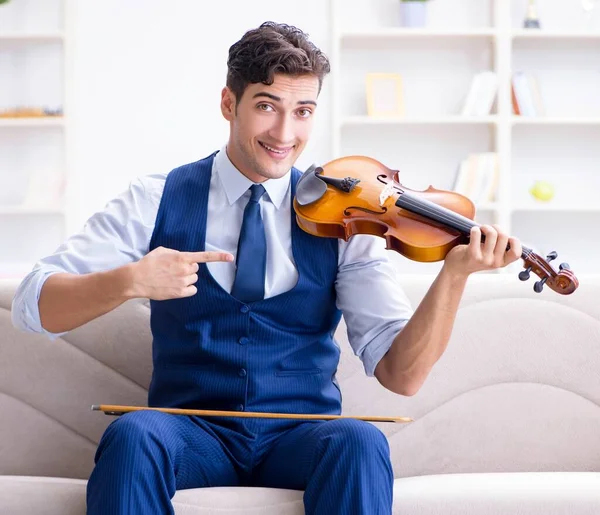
(227, 104)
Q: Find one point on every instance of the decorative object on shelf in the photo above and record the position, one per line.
(542, 191)
(359, 195)
(413, 13)
(526, 95)
(532, 20)
(482, 93)
(30, 112)
(385, 94)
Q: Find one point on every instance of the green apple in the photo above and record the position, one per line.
(542, 190)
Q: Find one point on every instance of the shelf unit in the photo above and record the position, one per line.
(57, 36)
(34, 176)
(437, 64)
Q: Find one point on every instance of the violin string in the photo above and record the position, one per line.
(440, 214)
(437, 213)
(450, 218)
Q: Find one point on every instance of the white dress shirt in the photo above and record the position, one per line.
(374, 306)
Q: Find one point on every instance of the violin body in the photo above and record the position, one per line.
(413, 236)
(359, 195)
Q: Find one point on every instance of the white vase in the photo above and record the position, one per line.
(413, 14)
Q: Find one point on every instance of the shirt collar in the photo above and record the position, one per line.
(235, 183)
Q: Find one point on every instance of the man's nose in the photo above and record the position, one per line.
(283, 131)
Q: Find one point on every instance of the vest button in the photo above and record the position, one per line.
(242, 372)
(243, 340)
(244, 309)
(240, 407)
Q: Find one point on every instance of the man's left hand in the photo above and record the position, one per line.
(478, 256)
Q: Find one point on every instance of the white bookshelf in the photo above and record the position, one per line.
(553, 35)
(50, 121)
(556, 121)
(415, 120)
(31, 37)
(34, 66)
(390, 34)
(437, 64)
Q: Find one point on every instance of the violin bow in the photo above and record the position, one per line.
(112, 409)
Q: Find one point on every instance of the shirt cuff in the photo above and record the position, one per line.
(378, 347)
(25, 313)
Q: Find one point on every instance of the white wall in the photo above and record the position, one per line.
(146, 84)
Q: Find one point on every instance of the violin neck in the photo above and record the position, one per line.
(442, 215)
(436, 213)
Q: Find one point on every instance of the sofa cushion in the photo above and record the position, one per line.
(21, 495)
(27, 495)
(527, 493)
(238, 501)
(542, 493)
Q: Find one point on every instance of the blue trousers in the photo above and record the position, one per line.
(342, 465)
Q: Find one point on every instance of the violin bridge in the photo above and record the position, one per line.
(386, 193)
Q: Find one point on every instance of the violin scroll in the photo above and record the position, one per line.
(563, 281)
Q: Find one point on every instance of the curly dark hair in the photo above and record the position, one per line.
(269, 49)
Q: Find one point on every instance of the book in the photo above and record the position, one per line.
(477, 177)
(526, 95)
(482, 94)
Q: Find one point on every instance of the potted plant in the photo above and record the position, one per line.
(413, 13)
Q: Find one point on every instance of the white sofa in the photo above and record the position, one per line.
(508, 421)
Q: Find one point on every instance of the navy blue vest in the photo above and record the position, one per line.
(212, 351)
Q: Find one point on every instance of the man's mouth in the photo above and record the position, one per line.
(276, 152)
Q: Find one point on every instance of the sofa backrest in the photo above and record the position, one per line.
(518, 388)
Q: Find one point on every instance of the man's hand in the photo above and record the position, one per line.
(169, 274)
(464, 260)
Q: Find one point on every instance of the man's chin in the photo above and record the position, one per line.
(276, 174)
(276, 171)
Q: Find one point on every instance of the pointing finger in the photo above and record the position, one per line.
(205, 257)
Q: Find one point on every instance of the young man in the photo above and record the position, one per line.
(243, 308)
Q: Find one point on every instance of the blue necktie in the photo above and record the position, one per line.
(251, 261)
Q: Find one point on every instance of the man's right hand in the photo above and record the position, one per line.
(169, 274)
(68, 300)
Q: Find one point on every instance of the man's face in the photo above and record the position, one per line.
(271, 125)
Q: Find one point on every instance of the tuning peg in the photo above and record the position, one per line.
(564, 266)
(524, 275)
(539, 285)
(552, 256)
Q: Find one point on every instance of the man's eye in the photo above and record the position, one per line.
(304, 113)
(264, 107)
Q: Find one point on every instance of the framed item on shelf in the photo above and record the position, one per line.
(385, 94)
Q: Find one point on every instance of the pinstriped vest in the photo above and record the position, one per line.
(212, 351)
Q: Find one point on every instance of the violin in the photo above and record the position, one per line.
(359, 195)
